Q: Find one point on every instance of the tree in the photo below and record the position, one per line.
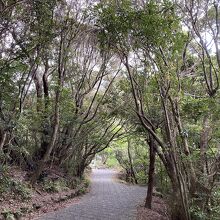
(142, 50)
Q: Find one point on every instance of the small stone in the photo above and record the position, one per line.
(37, 205)
(63, 198)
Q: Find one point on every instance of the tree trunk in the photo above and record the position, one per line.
(178, 209)
(168, 151)
(204, 138)
(80, 169)
(61, 73)
(151, 173)
(38, 86)
(46, 88)
(179, 197)
(2, 140)
(42, 162)
(130, 162)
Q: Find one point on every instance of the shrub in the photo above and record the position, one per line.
(9, 185)
(21, 189)
(54, 186)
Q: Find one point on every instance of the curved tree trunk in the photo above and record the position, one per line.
(42, 162)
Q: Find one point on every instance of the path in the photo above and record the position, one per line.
(107, 200)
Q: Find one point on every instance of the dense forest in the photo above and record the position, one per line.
(141, 77)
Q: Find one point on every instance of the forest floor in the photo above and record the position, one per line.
(107, 199)
(20, 201)
(159, 211)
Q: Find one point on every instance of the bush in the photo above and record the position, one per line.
(74, 182)
(141, 176)
(9, 185)
(55, 186)
(21, 189)
(211, 211)
(112, 162)
(4, 184)
(11, 215)
(86, 182)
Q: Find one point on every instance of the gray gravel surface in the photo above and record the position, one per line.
(107, 200)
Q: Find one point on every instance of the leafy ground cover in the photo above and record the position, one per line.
(19, 200)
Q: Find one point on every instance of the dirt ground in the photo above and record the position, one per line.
(40, 201)
(159, 211)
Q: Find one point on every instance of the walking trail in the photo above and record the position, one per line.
(107, 200)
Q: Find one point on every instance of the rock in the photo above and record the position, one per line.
(63, 198)
(37, 206)
(11, 201)
(73, 194)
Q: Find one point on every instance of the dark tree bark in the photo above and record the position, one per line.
(151, 173)
(38, 86)
(42, 88)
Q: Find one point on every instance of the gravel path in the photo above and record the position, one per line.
(107, 200)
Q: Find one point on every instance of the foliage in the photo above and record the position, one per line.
(18, 189)
(54, 186)
(129, 75)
